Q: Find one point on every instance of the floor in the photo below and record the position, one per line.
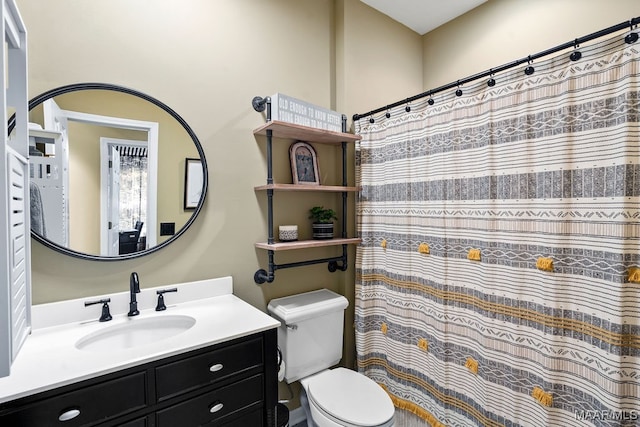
(403, 419)
(408, 419)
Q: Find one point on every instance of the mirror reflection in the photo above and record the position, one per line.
(112, 172)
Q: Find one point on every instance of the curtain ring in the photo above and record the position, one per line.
(388, 113)
(631, 37)
(576, 54)
(491, 82)
(430, 101)
(529, 70)
(458, 91)
(408, 107)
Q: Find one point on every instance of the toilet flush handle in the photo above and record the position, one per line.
(292, 327)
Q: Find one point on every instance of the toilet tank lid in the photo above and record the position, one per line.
(303, 306)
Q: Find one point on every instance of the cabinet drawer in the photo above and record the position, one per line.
(140, 422)
(213, 406)
(253, 419)
(90, 405)
(200, 370)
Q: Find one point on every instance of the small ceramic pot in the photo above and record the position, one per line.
(322, 230)
(288, 233)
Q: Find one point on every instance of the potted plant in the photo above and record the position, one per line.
(322, 222)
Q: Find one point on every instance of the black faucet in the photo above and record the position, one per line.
(134, 288)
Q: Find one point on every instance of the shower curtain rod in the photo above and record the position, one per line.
(491, 71)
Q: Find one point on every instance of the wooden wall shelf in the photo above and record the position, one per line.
(305, 187)
(305, 244)
(292, 131)
(283, 131)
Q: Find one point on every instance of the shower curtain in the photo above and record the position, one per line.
(497, 282)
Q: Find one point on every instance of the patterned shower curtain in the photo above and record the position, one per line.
(498, 277)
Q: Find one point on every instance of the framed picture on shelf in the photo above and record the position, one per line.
(304, 164)
(193, 178)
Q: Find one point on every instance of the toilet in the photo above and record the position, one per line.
(310, 339)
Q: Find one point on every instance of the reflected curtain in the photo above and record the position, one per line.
(497, 279)
(133, 191)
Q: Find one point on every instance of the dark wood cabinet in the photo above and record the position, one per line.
(229, 384)
(208, 368)
(106, 400)
(232, 400)
(140, 422)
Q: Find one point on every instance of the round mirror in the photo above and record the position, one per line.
(114, 173)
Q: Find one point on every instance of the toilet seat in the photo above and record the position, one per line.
(350, 399)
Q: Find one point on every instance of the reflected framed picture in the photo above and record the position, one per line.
(193, 179)
(304, 164)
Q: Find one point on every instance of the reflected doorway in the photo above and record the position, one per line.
(126, 186)
(146, 136)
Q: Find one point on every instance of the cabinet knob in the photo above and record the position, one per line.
(216, 407)
(215, 368)
(69, 414)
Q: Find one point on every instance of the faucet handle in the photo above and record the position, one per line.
(106, 315)
(160, 306)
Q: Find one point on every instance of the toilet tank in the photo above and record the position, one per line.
(310, 334)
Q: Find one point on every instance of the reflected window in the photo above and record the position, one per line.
(133, 189)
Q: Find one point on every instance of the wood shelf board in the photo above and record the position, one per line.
(305, 187)
(304, 244)
(304, 133)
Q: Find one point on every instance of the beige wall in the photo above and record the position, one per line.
(501, 31)
(377, 60)
(208, 58)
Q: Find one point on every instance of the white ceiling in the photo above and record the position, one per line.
(423, 16)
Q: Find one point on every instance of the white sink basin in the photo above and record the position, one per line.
(135, 332)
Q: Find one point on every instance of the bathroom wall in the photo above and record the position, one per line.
(207, 59)
(501, 31)
(372, 51)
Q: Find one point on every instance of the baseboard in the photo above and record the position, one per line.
(297, 416)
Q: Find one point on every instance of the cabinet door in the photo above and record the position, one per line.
(85, 406)
(218, 407)
(204, 369)
(15, 243)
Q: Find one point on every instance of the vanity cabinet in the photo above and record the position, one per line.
(228, 384)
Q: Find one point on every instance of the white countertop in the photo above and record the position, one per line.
(49, 358)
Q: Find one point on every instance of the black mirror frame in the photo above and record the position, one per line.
(105, 86)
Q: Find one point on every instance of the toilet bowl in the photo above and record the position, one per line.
(341, 397)
(310, 338)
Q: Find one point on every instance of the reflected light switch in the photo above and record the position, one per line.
(167, 228)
